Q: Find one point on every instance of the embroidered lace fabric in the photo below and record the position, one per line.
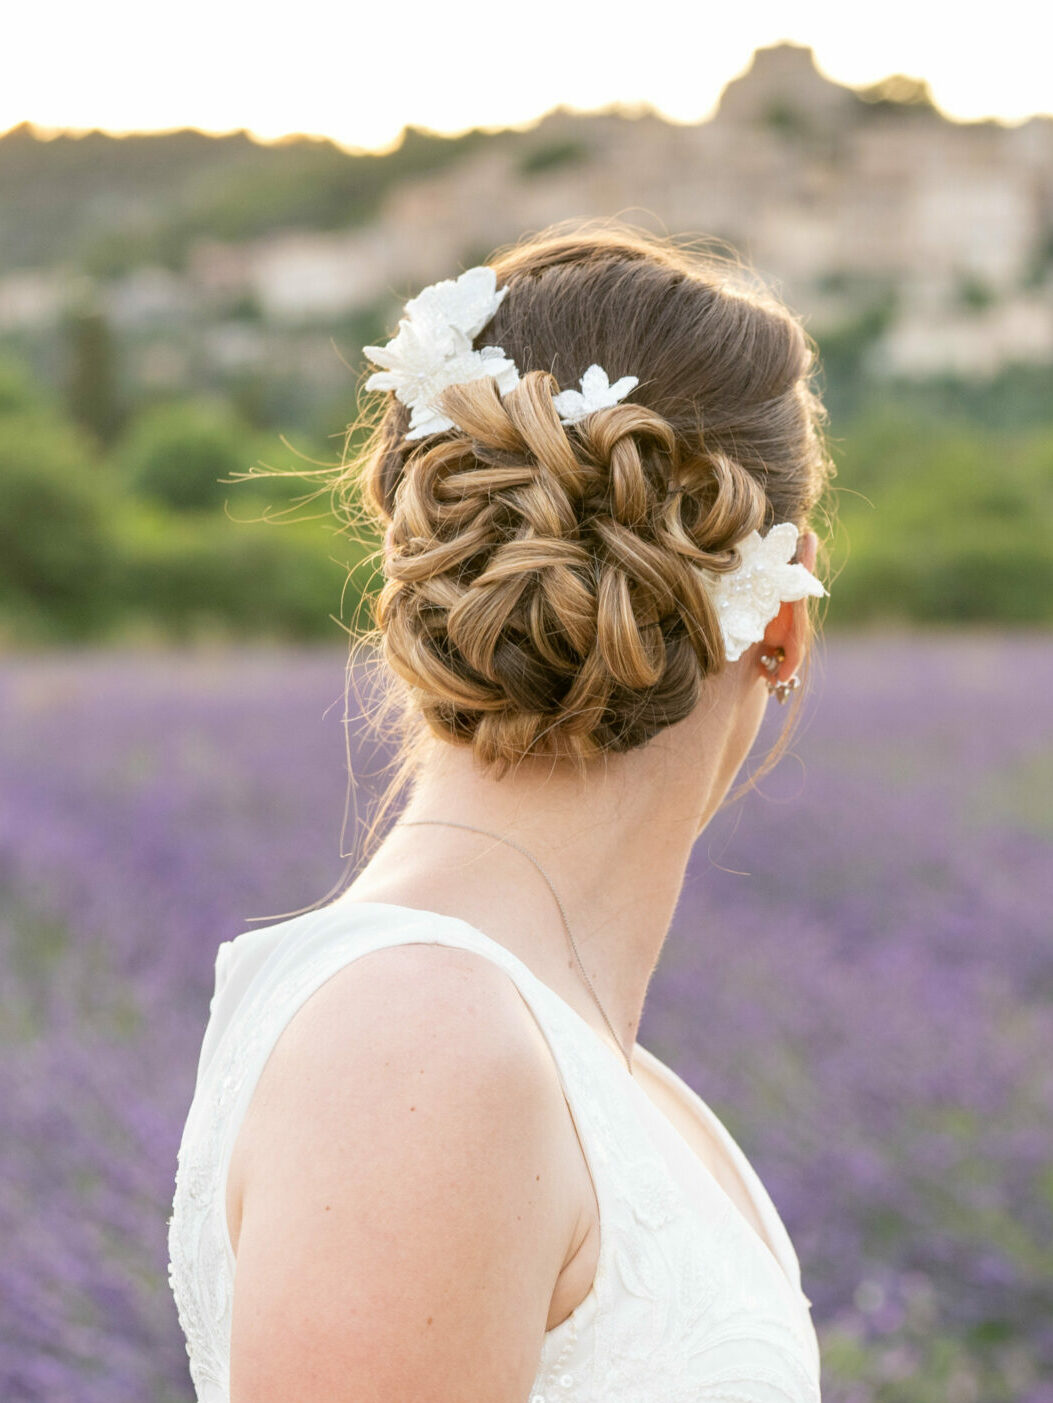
(688, 1305)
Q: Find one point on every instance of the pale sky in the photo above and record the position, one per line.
(360, 73)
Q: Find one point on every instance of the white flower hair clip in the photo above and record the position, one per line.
(597, 392)
(749, 597)
(432, 349)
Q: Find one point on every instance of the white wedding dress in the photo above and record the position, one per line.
(688, 1304)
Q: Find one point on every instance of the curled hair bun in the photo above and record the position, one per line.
(543, 593)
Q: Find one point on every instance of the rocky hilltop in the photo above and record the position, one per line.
(858, 204)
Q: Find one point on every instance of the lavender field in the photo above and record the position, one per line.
(859, 979)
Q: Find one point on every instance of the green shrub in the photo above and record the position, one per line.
(943, 522)
(19, 388)
(549, 156)
(177, 454)
(56, 527)
(209, 574)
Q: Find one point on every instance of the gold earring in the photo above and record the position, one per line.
(773, 660)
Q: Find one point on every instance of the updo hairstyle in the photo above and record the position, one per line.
(541, 592)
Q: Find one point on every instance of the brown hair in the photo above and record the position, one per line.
(542, 592)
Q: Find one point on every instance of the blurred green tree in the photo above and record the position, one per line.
(19, 387)
(185, 577)
(56, 527)
(942, 521)
(91, 377)
(177, 453)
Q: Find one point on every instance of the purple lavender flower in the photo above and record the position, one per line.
(870, 1009)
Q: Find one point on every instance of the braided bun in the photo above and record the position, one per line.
(543, 592)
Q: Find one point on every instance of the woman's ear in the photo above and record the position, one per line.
(789, 628)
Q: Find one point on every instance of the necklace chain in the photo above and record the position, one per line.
(448, 823)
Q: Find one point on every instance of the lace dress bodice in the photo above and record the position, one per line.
(688, 1304)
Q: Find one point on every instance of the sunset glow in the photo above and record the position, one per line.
(359, 75)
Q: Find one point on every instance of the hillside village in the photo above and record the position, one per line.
(856, 204)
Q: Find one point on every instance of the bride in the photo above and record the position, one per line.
(426, 1158)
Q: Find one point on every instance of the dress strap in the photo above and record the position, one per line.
(307, 956)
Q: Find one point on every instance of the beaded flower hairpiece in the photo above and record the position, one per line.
(433, 349)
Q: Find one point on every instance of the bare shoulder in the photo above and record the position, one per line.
(402, 1187)
(409, 1012)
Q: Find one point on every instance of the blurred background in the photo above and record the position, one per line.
(859, 977)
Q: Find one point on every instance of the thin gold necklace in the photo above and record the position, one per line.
(448, 823)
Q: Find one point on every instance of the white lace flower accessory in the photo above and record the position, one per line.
(432, 349)
(597, 392)
(749, 597)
